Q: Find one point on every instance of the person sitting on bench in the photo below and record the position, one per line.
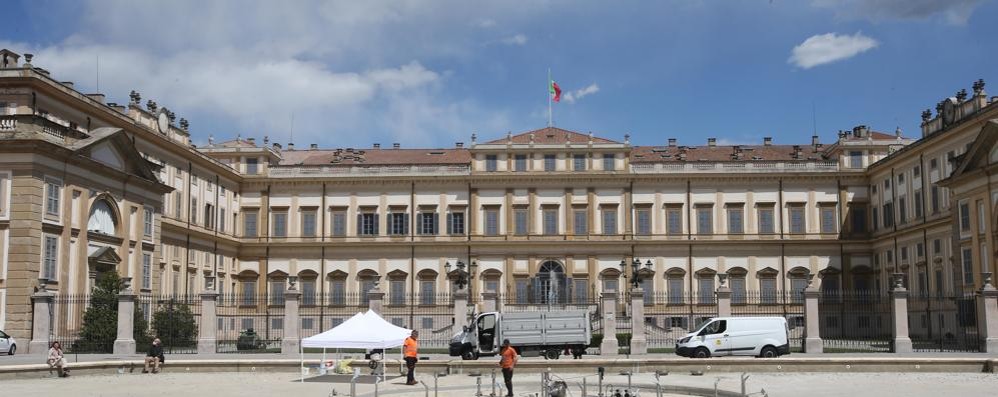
(154, 357)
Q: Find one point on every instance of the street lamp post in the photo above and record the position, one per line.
(462, 278)
(635, 270)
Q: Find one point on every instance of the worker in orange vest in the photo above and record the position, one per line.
(507, 360)
(409, 352)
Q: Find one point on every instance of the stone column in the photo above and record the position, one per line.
(899, 315)
(987, 315)
(208, 329)
(639, 341)
(489, 301)
(41, 323)
(375, 299)
(291, 342)
(125, 342)
(609, 346)
(812, 326)
(723, 296)
(460, 308)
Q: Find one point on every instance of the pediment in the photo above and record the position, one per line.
(111, 147)
(107, 154)
(982, 151)
(104, 255)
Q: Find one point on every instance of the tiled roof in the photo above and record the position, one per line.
(551, 135)
(661, 154)
(375, 156)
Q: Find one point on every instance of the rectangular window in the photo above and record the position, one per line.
(937, 246)
(549, 163)
(520, 163)
(797, 220)
(308, 223)
(51, 258)
(767, 290)
(427, 322)
(146, 271)
(492, 285)
(705, 220)
(609, 220)
(491, 163)
(609, 162)
(339, 223)
(276, 292)
(427, 292)
(455, 224)
(520, 221)
(249, 223)
(643, 221)
(221, 219)
(251, 166)
(521, 291)
(676, 293)
(917, 171)
(367, 224)
(492, 222)
(648, 285)
(53, 193)
(828, 222)
(888, 215)
(705, 295)
(146, 220)
(736, 220)
(193, 210)
(858, 215)
(581, 218)
(902, 210)
(855, 159)
(209, 216)
(919, 250)
(610, 284)
(968, 266)
(398, 223)
(981, 219)
(964, 217)
(550, 221)
(876, 218)
(3, 193)
(674, 218)
(918, 204)
(248, 292)
(178, 210)
(338, 292)
(427, 223)
(738, 296)
(579, 162)
(396, 292)
(934, 199)
(280, 227)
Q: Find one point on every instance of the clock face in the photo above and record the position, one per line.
(163, 123)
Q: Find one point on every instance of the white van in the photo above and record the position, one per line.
(737, 336)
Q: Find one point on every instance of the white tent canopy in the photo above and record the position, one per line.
(362, 331)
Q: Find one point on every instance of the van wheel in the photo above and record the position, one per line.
(701, 352)
(13, 349)
(552, 354)
(768, 352)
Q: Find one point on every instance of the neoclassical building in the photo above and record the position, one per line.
(88, 186)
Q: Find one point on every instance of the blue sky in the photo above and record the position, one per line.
(429, 73)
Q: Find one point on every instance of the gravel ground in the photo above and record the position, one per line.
(273, 384)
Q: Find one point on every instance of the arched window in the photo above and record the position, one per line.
(550, 282)
(102, 219)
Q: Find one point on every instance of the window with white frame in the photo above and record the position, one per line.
(705, 292)
(968, 265)
(964, 216)
(609, 162)
(276, 292)
(643, 215)
(280, 223)
(674, 220)
(339, 220)
(705, 219)
(147, 220)
(736, 219)
(520, 221)
(398, 223)
(427, 292)
(455, 221)
(550, 216)
(250, 223)
(797, 219)
(50, 259)
(609, 219)
(549, 162)
(4, 202)
(580, 221)
(492, 221)
(427, 222)
(579, 162)
(53, 195)
(827, 215)
(146, 271)
(308, 222)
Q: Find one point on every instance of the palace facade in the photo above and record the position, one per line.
(88, 186)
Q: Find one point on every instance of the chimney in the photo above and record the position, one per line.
(291, 146)
(396, 145)
(711, 142)
(119, 108)
(96, 97)
(252, 141)
(672, 142)
(459, 145)
(313, 146)
(277, 147)
(377, 146)
(767, 141)
(860, 131)
(797, 152)
(68, 84)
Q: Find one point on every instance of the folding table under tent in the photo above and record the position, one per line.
(362, 331)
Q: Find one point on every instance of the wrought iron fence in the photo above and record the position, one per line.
(855, 321)
(430, 314)
(321, 312)
(786, 304)
(250, 323)
(84, 325)
(174, 319)
(669, 316)
(943, 323)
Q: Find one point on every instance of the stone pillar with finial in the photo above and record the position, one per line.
(723, 296)
(208, 326)
(41, 320)
(608, 302)
(639, 341)
(987, 315)
(812, 326)
(899, 314)
(125, 341)
(460, 308)
(291, 342)
(375, 298)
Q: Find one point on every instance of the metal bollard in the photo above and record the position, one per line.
(584, 393)
(744, 378)
(376, 387)
(353, 385)
(435, 376)
(426, 388)
(493, 394)
(478, 380)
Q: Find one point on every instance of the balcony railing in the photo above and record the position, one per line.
(352, 171)
(728, 167)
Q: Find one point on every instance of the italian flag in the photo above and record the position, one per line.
(555, 91)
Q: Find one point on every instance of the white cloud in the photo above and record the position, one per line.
(829, 47)
(953, 11)
(517, 39)
(576, 95)
(486, 23)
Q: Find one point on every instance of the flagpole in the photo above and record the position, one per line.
(549, 98)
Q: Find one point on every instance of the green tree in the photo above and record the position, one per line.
(100, 320)
(175, 325)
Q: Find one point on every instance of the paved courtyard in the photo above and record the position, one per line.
(272, 384)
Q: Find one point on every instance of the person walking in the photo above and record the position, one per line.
(154, 357)
(56, 359)
(410, 352)
(507, 360)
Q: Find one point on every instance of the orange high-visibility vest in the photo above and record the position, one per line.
(409, 347)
